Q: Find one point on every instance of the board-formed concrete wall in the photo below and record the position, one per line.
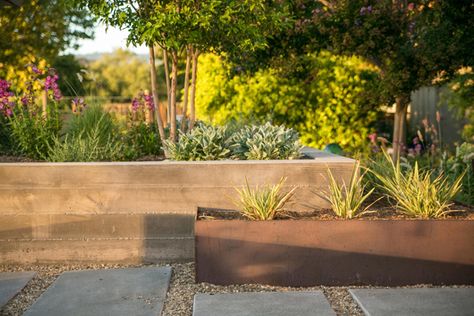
(134, 211)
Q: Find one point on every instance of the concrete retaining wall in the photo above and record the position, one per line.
(133, 211)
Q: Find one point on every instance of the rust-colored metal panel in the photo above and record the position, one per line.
(335, 252)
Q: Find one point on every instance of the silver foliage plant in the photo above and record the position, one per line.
(203, 142)
(264, 142)
(256, 142)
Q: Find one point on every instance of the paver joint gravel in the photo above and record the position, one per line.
(131, 291)
(416, 302)
(11, 283)
(262, 304)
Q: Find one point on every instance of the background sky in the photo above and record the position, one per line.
(106, 42)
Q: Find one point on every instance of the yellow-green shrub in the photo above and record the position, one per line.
(335, 103)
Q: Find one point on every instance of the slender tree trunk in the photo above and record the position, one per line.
(399, 126)
(174, 83)
(154, 91)
(186, 88)
(192, 118)
(167, 79)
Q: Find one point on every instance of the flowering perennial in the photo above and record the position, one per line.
(6, 98)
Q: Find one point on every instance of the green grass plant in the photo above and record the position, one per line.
(418, 193)
(264, 202)
(347, 200)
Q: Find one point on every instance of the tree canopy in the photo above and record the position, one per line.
(40, 29)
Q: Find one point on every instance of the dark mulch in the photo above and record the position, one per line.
(380, 210)
(6, 158)
(12, 159)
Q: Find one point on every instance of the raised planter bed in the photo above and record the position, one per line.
(335, 252)
(133, 211)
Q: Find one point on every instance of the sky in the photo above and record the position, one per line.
(105, 42)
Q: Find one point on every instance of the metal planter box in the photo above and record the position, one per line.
(335, 252)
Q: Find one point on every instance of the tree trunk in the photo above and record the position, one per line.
(186, 88)
(154, 91)
(174, 83)
(192, 118)
(167, 80)
(399, 126)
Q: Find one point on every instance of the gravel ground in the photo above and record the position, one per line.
(180, 295)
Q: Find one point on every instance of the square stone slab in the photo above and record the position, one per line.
(415, 302)
(131, 291)
(262, 304)
(11, 283)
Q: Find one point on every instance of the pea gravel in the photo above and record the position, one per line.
(181, 292)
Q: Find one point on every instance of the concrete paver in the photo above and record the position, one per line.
(415, 301)
(131, 291)
(262, 304)
(11, 283)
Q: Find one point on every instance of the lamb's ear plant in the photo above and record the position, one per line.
(347, 200)
(418, 193)
(264, 202)
(264, 142)
(203, 142)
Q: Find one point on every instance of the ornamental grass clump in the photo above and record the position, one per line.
(265, 202)
(347, 200)
(265, 142)
(416, 192)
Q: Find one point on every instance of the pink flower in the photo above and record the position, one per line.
(373, 137)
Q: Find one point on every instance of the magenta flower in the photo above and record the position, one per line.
(135, 105)
(50, 84)
(149, 102)
(6, 106)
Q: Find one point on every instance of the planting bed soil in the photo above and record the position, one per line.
(309, 249)
(26, 159)
(380, 211)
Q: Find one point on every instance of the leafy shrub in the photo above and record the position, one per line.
(142, 139)
(32, 132)
(418, 193)
(336, 100)
(347, 200)
(263, 203)
(6, 141)
(85, 146)
(203, 142)
(266, 142)
(461, 163)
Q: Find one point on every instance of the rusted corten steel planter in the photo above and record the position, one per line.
(335, 252)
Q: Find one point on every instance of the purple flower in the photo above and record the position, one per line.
(35, 69)
(135, 105)
(25, 100)
(50, 84)
(149, 102)
(6, 106)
